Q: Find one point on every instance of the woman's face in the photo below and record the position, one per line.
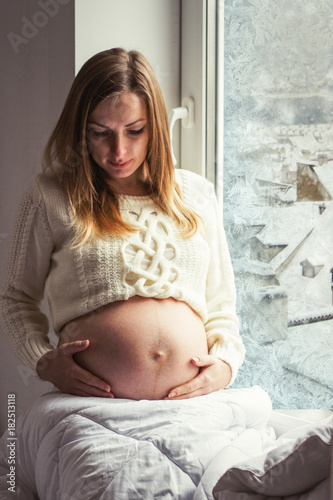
(118, 135)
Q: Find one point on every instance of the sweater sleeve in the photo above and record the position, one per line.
(24, 324)
(222, 326)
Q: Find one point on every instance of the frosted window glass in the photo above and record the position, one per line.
(278, 189)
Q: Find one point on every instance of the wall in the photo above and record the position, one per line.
(37, 52)
(39, 68)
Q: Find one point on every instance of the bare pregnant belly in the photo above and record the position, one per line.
(142, 347)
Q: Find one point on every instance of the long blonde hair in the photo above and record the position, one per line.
(95, 204)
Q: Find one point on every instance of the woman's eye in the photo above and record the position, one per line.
(137, 132)
(98, 134)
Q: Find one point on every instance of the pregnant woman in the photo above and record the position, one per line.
(130, 252)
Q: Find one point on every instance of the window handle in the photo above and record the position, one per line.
(185, 113)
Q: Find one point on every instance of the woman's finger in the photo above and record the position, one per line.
(197, 382)
(214, 375)
(91, 381)
(199, 392)
(205, 360)
(89, 391)
(203, 379)
(190, 387)
(195, 387)
(71, 348)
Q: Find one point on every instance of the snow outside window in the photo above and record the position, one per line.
(277, 148)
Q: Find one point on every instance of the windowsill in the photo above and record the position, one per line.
(309, 415)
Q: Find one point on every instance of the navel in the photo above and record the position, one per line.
(159, 356)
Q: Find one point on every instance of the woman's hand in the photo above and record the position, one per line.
(58, 366)
(214, 374)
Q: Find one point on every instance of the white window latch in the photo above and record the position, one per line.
(184, 113)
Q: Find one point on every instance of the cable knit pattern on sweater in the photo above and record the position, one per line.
(149, 256)
(153, 262)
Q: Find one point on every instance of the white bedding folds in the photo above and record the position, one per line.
(72, 448)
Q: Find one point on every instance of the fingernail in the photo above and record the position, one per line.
(172, 394)
(197, 360)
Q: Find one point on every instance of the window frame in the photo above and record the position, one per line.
(200, 149)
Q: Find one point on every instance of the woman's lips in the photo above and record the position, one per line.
(119, 165)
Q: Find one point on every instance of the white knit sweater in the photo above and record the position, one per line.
(155, 262)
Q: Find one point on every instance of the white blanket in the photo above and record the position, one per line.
(300, 468)
(76, 448)
(73, 448)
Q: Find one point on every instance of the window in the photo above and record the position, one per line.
(277, 174)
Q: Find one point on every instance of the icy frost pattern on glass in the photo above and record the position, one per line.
(278, 166)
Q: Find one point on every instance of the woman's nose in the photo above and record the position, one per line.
(118, 146)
